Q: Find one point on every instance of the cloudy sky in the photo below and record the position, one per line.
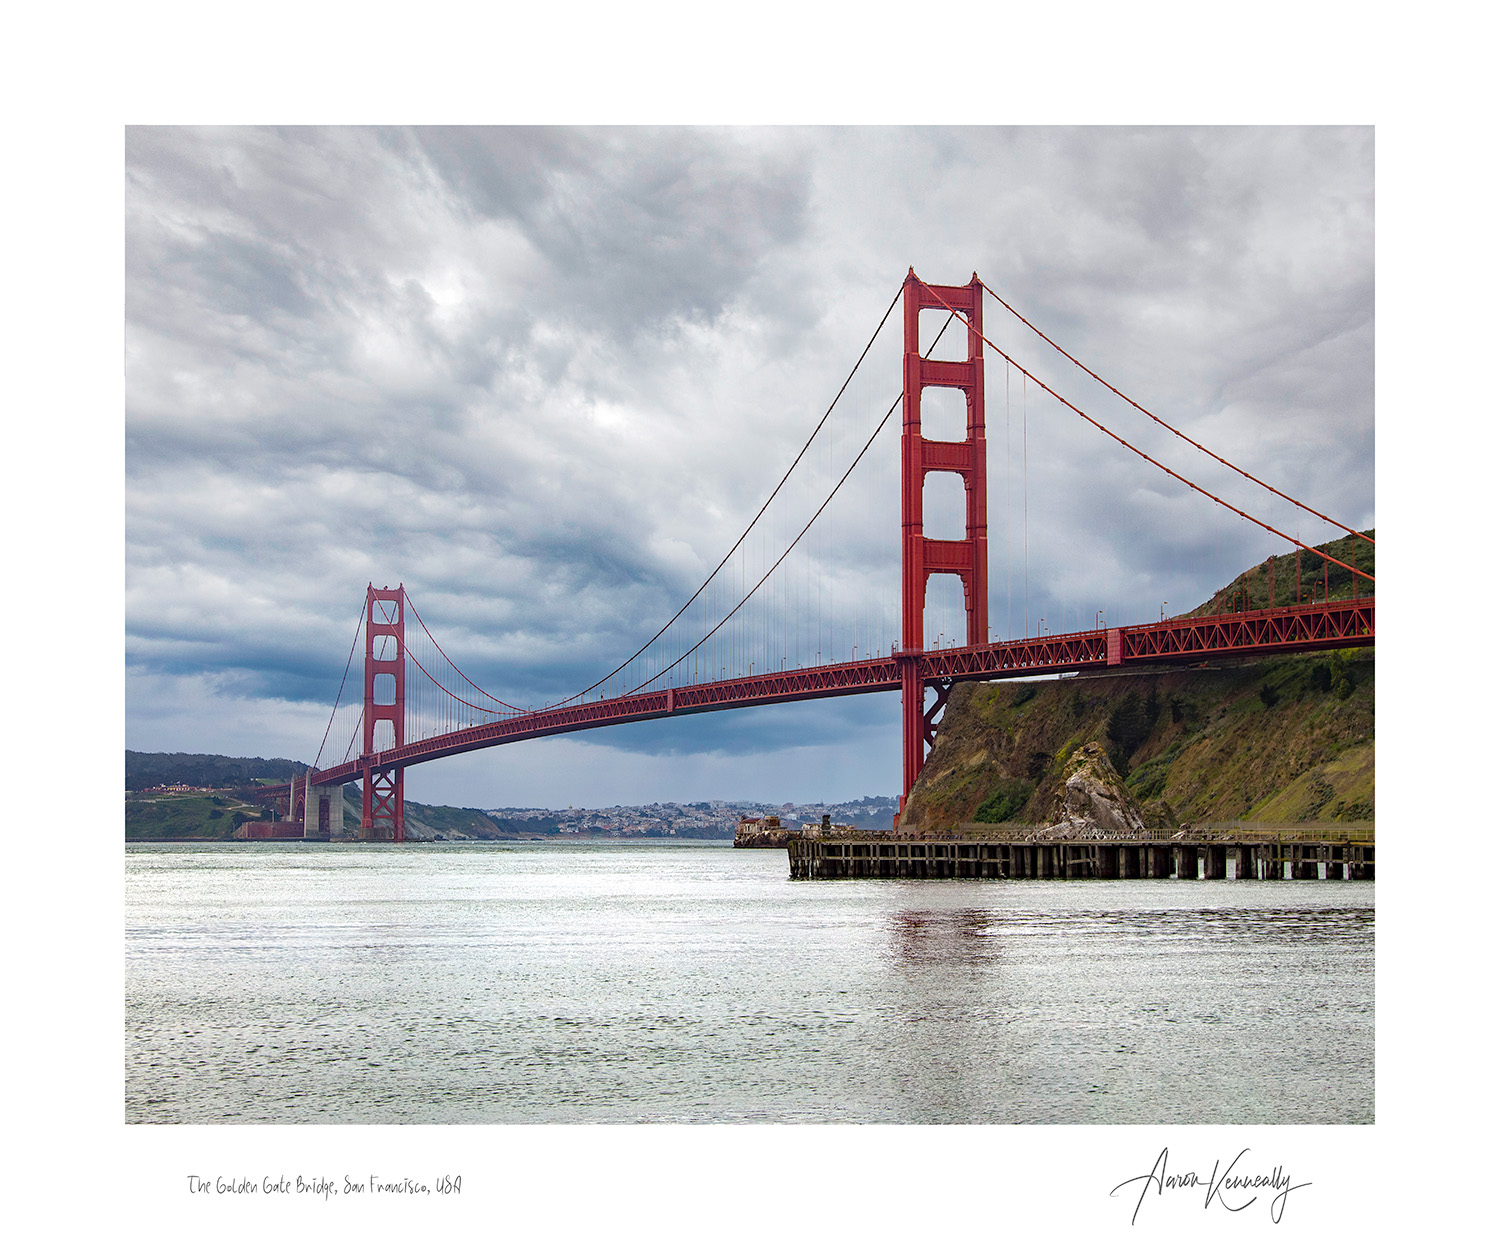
(543, 377)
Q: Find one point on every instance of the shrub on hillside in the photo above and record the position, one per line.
(1006, 803)
(1128, 724)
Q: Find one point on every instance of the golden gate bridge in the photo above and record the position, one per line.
(765, 625)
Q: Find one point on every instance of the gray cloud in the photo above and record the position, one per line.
(544, 376)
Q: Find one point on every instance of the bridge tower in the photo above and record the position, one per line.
(922, 556)
(382, 814)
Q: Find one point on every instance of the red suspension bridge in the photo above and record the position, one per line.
(417, 705)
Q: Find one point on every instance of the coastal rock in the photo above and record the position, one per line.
(1091, 795)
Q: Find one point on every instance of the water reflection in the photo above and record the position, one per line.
(1208, 925)
(690, 985)
(963, 936)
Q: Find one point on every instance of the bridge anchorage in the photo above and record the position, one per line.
(418, 705)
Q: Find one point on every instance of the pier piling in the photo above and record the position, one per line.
(1245, 853)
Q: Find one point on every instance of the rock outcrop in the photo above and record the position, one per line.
(1091, 795)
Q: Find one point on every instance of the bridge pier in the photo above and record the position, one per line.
(323, 816)
(383, 816)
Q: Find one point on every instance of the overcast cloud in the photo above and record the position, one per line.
(544, 377)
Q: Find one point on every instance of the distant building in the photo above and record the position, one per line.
(760, 831)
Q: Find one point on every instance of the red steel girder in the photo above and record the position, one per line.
(1310, 627)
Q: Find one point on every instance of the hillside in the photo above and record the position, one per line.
(1251, 589)
(146, 769)
(1291, 739)
(213, 814)
(1285, 740)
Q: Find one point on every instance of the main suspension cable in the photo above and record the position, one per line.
(1131, 447)
(458, 697)
(869, 442)
(729, 555)
(1173, 428)
(456, 669)
(358, 725)
(347, 663)
(730, 614)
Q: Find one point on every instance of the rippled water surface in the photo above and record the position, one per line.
(510, 983)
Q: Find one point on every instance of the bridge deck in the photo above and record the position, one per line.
(1185, 640)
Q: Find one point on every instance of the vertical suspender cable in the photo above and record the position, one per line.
(1025, 515)
(1009, 514)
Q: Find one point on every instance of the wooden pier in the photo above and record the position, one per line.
(1235, 854)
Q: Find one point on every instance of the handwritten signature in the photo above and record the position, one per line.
(1221, 1186)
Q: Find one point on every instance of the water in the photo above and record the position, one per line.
(610, 983)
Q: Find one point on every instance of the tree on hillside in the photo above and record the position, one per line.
(1128, 727)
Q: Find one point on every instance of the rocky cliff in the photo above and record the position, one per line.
(1089, 794)
(1285, 740)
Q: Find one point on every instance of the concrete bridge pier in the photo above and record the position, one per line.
(323, 814)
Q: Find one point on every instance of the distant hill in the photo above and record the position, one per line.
(216, 815)
(145, 769)
(222, 803)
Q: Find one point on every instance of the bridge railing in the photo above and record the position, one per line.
(1230, 832)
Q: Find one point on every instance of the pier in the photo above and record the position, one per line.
(1237, 853)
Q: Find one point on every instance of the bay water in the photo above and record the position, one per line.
(636, 982)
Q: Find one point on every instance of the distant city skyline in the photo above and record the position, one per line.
(544, 376)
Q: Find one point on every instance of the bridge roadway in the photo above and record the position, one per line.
(1184, 640)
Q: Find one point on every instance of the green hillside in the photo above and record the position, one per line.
(1251, 590)
(215, 815)
(191, 817)
(146, 769)
(1286, 740)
